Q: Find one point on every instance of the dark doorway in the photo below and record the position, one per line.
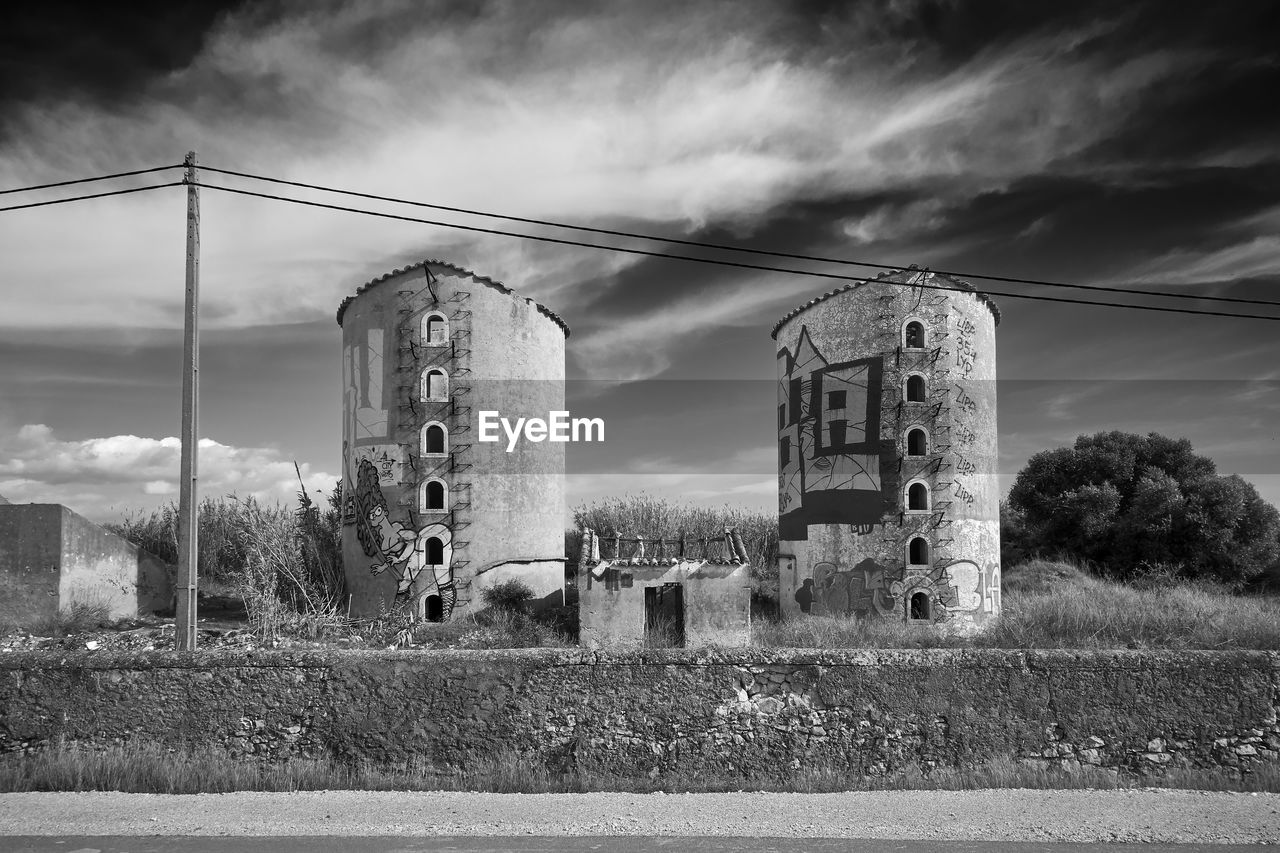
(434, 611)
(920, 606)
(664, 616)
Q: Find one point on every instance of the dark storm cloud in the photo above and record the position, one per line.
(105, 52)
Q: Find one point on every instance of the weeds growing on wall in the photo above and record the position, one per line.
(1060, 605)
(147, 768)
(643, 515)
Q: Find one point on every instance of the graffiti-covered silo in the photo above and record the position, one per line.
(889, 504)
(431, 514)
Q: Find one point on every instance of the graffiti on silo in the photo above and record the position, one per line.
(829, 451)
(888, 496)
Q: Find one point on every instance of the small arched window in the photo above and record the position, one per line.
(918, 496)
(434, 496)
(915, 388)
(918, 552)
(913, 335)
(435, 330)
(435, 440)
(435, 385)
(917, 443)
(435, 551)
(919, 606)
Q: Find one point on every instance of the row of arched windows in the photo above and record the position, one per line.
(433, 495)
(914, 337)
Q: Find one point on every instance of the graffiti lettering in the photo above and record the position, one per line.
(964, 401)
(963, 494)
(964, 435)
(963, 465)
(991, 594)
(860, 591)
(966, 579)
(966, 352)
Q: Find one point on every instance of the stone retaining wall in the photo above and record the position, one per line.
(747, 713)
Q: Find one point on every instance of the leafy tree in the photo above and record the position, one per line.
(1137, 503)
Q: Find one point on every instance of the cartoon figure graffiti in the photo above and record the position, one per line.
(404, 551)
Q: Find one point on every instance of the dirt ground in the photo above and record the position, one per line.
(1146, 815)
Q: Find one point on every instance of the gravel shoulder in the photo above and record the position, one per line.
(1147, 815)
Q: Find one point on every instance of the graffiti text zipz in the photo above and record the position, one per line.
(557, 427)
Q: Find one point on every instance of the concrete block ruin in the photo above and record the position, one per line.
(52, 558)
(662, 592)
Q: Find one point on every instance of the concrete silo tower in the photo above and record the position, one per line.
(432, 515)
(889, 504)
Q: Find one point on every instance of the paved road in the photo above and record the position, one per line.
(616, 844)
(945, 819)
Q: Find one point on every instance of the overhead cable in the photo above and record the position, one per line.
(730, 248)
(85, 197)
(719, 262)
(90, 180)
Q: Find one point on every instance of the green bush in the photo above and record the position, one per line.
(511, 595)
(1140, 505)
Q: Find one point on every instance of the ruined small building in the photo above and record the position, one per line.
(52, 559)
(889, 504)
(662, 592)
(432, 514)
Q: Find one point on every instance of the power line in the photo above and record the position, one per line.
(89, 180)
(737, 264)
(728, 248)
(84, 197)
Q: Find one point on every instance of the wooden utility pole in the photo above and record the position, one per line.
(188, 501)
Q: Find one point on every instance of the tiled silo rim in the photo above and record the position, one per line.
(463, 270)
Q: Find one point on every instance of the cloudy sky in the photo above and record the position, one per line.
(1131, 145)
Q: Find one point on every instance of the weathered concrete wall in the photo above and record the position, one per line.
(98, 567)
(52, 558)
(611, 602)
(502, 515)
(754, 714)
(711, 577)
(30, 561)
(844, 416)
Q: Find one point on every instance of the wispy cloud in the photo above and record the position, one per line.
(703, 116)
(100, 477)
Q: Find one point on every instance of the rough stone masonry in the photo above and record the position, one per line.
(754, 714)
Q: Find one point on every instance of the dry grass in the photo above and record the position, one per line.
(81, 617)
(148, 768)
(1059, 605)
